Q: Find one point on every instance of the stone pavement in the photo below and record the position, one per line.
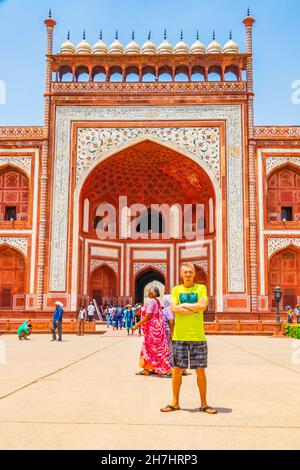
(83, 394)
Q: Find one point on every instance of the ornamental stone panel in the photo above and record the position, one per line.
(276, 244)
(96, 263)
(21, 243)
(273, 162)
(24, 163)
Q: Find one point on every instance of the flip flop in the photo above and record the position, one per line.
(143, 373)
(208, 410)
(169, 409)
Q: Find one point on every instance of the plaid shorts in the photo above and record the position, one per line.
(190, 354)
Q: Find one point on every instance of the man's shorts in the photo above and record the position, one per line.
(190, 354)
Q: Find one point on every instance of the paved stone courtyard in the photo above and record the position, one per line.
(83, 394)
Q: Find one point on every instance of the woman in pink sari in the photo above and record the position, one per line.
(154, 357)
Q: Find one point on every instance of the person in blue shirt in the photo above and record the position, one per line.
(57, 322)
(120, 313)
(128, 317)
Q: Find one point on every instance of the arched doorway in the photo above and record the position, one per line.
(12, 276)
(285, 272)
(145, 280)
(103, 283)
(159, 181)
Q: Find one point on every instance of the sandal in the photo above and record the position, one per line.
(208, 410)
(169, 409)
(144, 372)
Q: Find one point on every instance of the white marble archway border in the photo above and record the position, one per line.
(278, 244)
(20, 243)
(98, 263)
(65, 115)
(139, 267)
(274, 162)
(20, 162)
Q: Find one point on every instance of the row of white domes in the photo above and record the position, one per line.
(148, 48)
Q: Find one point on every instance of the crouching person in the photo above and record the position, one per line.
(24, 330)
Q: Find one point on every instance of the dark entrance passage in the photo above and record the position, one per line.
(143, 280)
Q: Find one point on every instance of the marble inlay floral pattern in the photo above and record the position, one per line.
(93, 143)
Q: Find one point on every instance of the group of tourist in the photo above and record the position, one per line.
(293, 314)
(121, 316)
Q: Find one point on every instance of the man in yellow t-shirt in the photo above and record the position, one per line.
(188, 303)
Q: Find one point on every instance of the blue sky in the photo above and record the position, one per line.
(276, 44)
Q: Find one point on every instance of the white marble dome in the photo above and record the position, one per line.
(116, 47)
(132, 47)
(214, 47)
(197, 47)
(148, 47)
(83, 47)
(231, 47)
(165, 47)
(100, 47)
(181, 47)
(67, 47)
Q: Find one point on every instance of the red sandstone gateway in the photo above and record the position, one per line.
(159, 125)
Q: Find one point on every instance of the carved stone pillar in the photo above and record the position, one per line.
(249, 22)
(50, 24)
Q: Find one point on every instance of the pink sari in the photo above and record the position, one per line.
(155, 352)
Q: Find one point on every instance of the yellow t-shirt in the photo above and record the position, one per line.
(189, 327)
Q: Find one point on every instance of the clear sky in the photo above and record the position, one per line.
(276, 44)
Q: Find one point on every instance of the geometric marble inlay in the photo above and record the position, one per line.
(275, 244)
(203, 264)
(19, 243)
(273, 162)
(21, 162)
(162, 267)
(95, 263)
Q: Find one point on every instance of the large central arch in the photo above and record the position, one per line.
(180, 179)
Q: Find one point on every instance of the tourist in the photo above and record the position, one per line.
(81, 320)
(154, 353)
(108, 316)
(169, 325)
(119, 315)
(57, 321)
(290, 314)
(128, 317)
(137, 317)
(188, 303)
(24, 330)
(297, 313)
(91, 311)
